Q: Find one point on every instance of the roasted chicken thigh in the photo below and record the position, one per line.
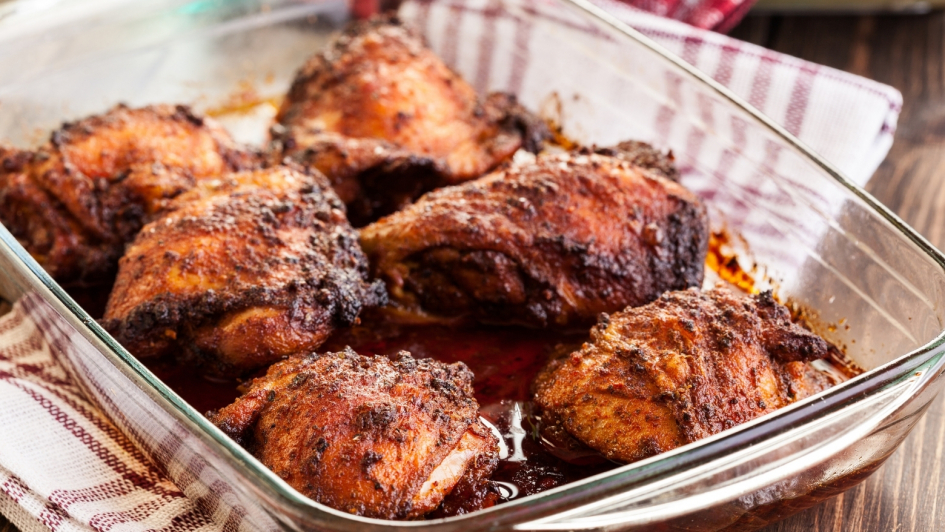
(75, 202)
(386, 120)
(553, 242)
(684, 367)
(366, 435)
(240, 272)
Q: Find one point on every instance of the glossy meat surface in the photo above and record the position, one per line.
(687, 366)
(366, 435)
(77, 200)
(240, 272)
(553, 242)
(378, 82)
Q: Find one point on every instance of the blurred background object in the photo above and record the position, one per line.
(724, 15)
(847, 6)
(717, 15)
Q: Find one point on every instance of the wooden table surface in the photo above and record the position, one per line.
(908, 52)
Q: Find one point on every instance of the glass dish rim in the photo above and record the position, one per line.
(784, 419)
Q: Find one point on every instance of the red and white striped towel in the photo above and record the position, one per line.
(847, 119)
(63, 466)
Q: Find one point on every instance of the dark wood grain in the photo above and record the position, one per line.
(908, 52)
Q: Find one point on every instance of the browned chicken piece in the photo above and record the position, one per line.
(365, 435)
(554, 242)
(645, 155)
(378, 102)
(240, 272)
(372, 177)
(687, 366)
(77, 200)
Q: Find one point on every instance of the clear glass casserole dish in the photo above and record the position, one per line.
(825, 244)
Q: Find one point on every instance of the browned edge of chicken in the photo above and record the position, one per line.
(240, 272)
(553, 242)
(77, 200)
(686, 366)
(372, 436)
(386, 120)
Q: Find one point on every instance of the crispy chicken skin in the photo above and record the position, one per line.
(77, 200)
(367, 435)
(646, 156)
(378, 102)
(553, 242)
(372, 177)
(240, 272)
(689, 365)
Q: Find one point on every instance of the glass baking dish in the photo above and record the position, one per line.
(874, 285)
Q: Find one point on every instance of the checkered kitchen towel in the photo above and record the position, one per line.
(63, 466)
